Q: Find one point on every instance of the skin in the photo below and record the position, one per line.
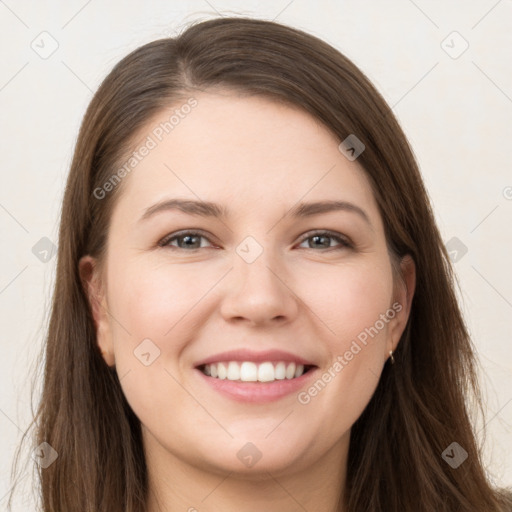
(259, 158)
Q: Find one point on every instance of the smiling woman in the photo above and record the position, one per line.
(260, 315)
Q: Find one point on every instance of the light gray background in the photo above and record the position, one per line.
(455, 109)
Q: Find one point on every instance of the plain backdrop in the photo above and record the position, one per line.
(443, 66)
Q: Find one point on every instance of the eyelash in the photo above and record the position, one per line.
(344, 242)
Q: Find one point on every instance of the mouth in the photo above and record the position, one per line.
(252, 371)
(257, 377)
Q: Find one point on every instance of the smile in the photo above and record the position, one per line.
(249, 371)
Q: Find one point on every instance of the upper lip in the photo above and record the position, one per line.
(257, 357)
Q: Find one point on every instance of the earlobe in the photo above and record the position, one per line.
(92, 284)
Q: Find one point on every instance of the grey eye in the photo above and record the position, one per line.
(323, 240)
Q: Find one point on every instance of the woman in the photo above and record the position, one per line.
(254, 309)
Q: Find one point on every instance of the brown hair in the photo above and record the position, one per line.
(420, 405)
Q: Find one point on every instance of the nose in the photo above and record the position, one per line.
(258, 293)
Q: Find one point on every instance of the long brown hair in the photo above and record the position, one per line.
(421, 404)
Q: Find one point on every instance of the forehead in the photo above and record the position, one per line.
(244, 152)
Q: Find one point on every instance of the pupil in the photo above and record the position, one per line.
(188, 238)
(317, 237)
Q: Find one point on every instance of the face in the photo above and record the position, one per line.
(252, 340)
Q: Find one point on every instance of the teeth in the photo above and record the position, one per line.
(233, 371)
(248, 371)
(280, 371)
(222, 371)
(266, 372)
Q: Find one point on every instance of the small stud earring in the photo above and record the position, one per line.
(391, 358)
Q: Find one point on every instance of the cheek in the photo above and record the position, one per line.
(359, 297)
(154, 300)
(165, 304)
(351, 299)
(154, 313)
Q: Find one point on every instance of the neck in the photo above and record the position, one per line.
(177, 485)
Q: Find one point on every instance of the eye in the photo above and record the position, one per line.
(192, 240)
(184, 239)
(321, 239)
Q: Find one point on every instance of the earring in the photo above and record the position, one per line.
(391, 358)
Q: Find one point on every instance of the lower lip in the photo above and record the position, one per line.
(257, 392)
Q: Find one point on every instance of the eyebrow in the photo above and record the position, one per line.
(209, 209)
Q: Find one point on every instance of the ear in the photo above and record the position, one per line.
(94, 288)
(403, 295)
